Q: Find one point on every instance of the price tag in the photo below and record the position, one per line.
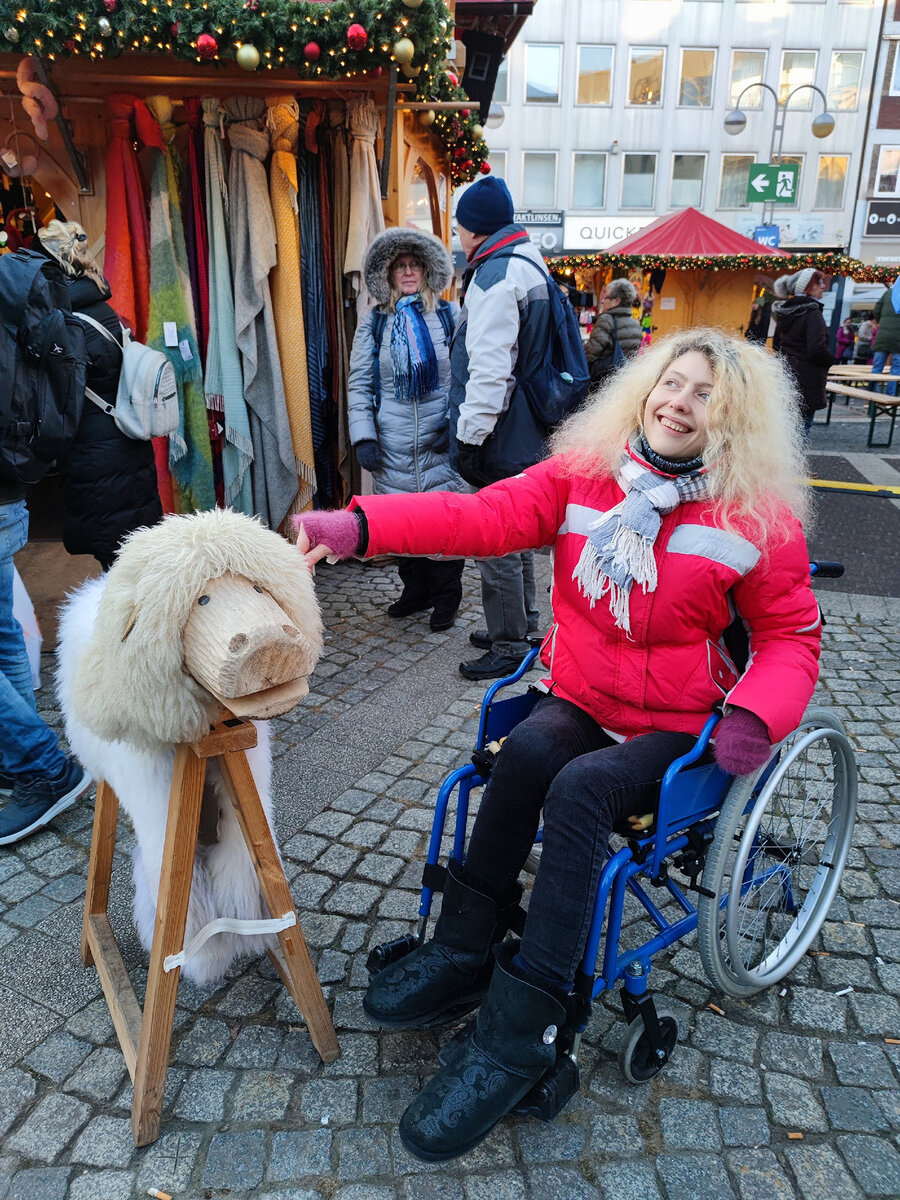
(185, 348)
(170, 331)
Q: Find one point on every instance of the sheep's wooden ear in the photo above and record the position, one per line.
(129, 625)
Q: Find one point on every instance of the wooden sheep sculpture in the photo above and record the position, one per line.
(197, 612)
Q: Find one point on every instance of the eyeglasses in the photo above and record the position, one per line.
(400, 268)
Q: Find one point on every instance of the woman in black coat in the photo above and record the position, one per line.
(801, 337)
(109, 480)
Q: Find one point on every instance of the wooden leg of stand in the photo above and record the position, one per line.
(103, 843)
(303, 983)
(185, 798)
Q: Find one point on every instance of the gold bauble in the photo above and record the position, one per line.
(477, 131)
(410, 71)
(412, 3)
(426, 117)
(404, 50)
(247, 56)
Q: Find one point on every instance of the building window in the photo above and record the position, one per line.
(747, 66)
(735, 177)
(844, 80)
(539, 179)
(588, 180)
(695, 87)
(645, 75)
(687, 180)
(798, 67)
(594, 75)
(830, 181)
(497, 159)
(895, 73)
(542, 68)
(888, 172)
(638, 174)
(501, 87)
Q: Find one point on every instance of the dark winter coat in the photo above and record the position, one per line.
(801, 338)
(628, 332)
(109, 480)
(888, 320)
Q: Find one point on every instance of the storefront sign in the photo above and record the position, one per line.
(545, 227)
(535, 216)
(883, 218)
(599, 233)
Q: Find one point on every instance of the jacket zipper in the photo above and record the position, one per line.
(416, 444)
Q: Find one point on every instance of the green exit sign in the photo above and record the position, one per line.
(773, 183)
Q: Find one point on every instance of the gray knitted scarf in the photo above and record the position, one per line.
(618, 551)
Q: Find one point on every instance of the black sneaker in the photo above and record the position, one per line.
(35, 802)
(490, 666)
(407, 605)
(481, 639)
(441, 620)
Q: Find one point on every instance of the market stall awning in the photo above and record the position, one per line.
(689, 233)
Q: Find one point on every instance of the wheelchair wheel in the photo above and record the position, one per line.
(780, 845)
(637, 1062)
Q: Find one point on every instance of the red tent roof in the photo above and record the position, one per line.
(689, 232)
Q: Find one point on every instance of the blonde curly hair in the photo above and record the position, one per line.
(754, 453)
(67, 242)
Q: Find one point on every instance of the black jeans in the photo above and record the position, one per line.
(561, 761)
(436, 581)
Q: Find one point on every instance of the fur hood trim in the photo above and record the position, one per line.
(129, 683)
(394, 242)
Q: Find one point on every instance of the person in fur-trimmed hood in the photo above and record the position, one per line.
(801, 336)
(398, 396)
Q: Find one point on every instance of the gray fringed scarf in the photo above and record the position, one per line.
(618, 551)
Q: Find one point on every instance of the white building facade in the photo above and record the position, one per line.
(614, 115)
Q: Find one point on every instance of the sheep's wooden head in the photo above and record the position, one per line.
(198, 610)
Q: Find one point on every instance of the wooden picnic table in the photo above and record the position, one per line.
(844, 381)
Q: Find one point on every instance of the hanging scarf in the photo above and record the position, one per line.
(195, 222)
(366, 218)
(618, 551)
(412, 352)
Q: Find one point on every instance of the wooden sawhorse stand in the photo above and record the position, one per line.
(146, 1037)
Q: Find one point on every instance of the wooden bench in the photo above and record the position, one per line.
(880, 404)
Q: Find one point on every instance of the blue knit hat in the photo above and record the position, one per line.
(486, 206)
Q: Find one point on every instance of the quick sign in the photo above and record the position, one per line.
(883, 218)
(773, 183)
(598, 233)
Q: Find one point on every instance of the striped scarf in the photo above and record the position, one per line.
(618, 551)
(412, 352)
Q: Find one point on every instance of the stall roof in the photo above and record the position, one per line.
(687, 233)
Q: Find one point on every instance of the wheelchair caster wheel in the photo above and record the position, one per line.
(637, 1060)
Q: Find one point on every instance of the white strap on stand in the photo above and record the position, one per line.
(228, 925)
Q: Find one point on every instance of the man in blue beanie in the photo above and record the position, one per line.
(501, 334)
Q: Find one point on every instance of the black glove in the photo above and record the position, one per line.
(470, 464)
(368, 455)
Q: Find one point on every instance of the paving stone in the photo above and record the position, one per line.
(549, 1141)
(203, 1096)
(255, 1046)
(793, 1104)
(719, 1036)
(102, 1185)
(628, 1181)
(168, 1164)
(359, 1057)
(876, 1014)
(798, 1055)
(814, 1009)
(247, 997)
(235, 1160)
(614, 1136)
(853, 1109)
(204, 1042)
(105, 1142)
(744, 1126)
(41, 1183)
(49, 1127)
(820, 1172)
(759, 1175)
(297, 1154)
(560, 1181)
(694, 1177)
(364, 1191)
(355, 899)
(100, 1075)
(362, 1152)
(261, 1096)
(17, 1090)
(689, 1125)
(431, 1187)
(330, 1102)
(874, 1163)
(731, 1082)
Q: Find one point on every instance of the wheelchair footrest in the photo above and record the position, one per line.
(390, 952)
(552, 1092)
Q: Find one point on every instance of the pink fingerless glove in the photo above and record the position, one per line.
(338, 530)
(742, 742)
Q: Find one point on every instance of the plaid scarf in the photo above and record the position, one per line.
(618, 551)
(412, 352)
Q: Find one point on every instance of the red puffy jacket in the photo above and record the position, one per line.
(674, 667)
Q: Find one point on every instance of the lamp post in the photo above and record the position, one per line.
(821, 127)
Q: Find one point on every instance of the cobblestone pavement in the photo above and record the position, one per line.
(249, 1109)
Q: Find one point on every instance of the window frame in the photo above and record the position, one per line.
(712, 77)
(688, 154)
(807, 107)
(831, 207)
(862, 63)
(612, 64)
(758, 102)
(882, 150)
(751, 159)
(654, 154)
(894, 82)
(629, 103)
(559, 46)
(526, 201)
(493, 154)
(604, 154)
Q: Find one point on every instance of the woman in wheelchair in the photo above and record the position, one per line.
(673, 502)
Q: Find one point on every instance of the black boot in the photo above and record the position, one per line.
(513, 1045)
(448, 976)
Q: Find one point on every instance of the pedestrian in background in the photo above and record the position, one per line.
(844, 340)
(801, 337)
(398, 398)
(615, 323)
(886, 342)
(865, 336)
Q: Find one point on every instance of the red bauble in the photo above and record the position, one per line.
(454, 79)
(465, 112)
(485, 168)
(459, 152)
(375, 73)
(357, 37)
(175, 28)
(110, 5)
(207, 46)
(311, 51)
(69, 45)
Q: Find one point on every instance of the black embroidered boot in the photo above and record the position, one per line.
(448, 975)
(513, 1045)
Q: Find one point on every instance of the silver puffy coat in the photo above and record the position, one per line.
(412, 436)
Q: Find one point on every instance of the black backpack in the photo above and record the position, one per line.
(379, 321)
(42, 366)
(607, 363)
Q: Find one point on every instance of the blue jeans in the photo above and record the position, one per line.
(560, 760)
(28, 745)
(878, 360)
(509, 602)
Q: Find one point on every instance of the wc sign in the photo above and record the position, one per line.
(767, 235)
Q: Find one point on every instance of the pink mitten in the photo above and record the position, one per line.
(338, 530)
(742, 742)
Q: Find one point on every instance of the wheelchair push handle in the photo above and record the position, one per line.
(826, 570)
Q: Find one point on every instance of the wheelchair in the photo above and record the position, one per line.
(763, 854)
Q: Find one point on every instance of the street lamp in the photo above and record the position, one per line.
(821, 127)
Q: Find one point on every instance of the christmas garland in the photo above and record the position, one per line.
(317, 40)
(785, 264)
